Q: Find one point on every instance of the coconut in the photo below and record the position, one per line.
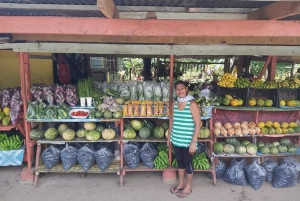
(252, 132)
(251, 124)
(238, 132)
(245, 131)
(257, 130)
(244, 124)
(230, 132)
(217, 131)
(223, 132)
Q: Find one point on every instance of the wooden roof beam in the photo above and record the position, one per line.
(108, 8)
(276, 11)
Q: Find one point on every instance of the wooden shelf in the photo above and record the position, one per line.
(72, 120)
(7, 128)
(150, 139)
(143, 168)
(114, 168)
(60, 140)
(235, 156)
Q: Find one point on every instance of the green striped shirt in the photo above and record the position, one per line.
(183, 126)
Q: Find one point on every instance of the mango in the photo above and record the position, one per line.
(234, 102)
(269, 124)
(268, 103)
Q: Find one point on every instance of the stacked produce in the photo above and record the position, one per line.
(145, 108)
(260, 102)
(136, 90)
(11, 103)
(257, 84)
(232, 145)
(273, 128)
(290, 82)
(110, 108)
(289, 103)
(145, 129)
(285, 145)
(91, 131)
(227, 80)
(236, 129)
(40, 110)
(270, 84)
(232, 101)
(200, 162)
(10, 143)
(242, 83)
(162, 160)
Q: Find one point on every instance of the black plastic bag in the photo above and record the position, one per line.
(235, 175)
(292, 161)
(86, 158)
(132, 155)
(108, 145)
(138, 144)
(285, 175)
(269, 166)
(220, 170)
(104, 157)
(241, 162)
(256, 175)
(51, 157)
(148, 153)
(68, 157)
(200, 148)
(47, 125)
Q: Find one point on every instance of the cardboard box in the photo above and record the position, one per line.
(12, 157)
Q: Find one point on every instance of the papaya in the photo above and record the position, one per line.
(2, 115)
(6, 121)
(268, 103)
(234, 102)
(260, 102)
(241, 101)
(252, 102)
(292, 103)
(297, 129)
(226, 101)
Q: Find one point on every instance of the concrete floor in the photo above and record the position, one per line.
(138, 186)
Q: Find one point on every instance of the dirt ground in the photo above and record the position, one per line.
(138, 186)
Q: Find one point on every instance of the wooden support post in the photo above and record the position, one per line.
(264, 69)
(226, 65)
(272, 68)
(108, 8)
(293, 67)
(170, 102)
(157, 69)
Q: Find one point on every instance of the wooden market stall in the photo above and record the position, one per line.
(183, 28)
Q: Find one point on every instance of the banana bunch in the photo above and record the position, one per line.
(175, 162)
(227, 80)
(257, 84)
(161, 161)
(201, 162)
(11, 143)
(294, 82)
(3, 137)
(162, 147)
(271, 84)
(284, 84)
(242, 83)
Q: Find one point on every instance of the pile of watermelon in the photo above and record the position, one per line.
(233, 145)
(144, 129)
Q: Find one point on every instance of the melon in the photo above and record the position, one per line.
(285, 141)
(251, 149)
(107, 114)
(136, 125)
(158, 132)
(144, 132)
(93, 135)
(264, 150)
(129, 133)
(108, 134)
(81, 133)
(68, 134)
(165, 126)
(204, 132)
(89, 126)
(51, 133)
(62, 128)
(240, 149)
(218, 148)
(229, 149)
(117, 114)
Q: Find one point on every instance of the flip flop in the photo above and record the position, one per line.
(175, 190)
(184, 195)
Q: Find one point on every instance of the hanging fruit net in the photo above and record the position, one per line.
(130, 110)
(125, 110)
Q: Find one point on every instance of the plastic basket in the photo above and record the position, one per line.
(287, 94)
(235, 92)
(271, 94)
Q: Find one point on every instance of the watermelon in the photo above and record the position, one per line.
(158, 132)
(145, 132)
(51, 133)
(89, 126)
(93, 135)
(240, 149)
(251, 149)
(282, 149)
(218, 148)
(100, 128)
(230, 140)
(165, 126)
(204, 132)
(150, 124)
(107, 114)
(68, 134)
(136, 125)
(99, 114)
(117, 114)
(37, 134)
(285, 141)
(274, 150)
(81, 133)
(62, 128)
(229, 149)
(129, 134)
(260, 144)
(292, 149)
(264, 150)
(245, 142)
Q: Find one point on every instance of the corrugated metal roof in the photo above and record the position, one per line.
(66, 13)
(195, 3)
